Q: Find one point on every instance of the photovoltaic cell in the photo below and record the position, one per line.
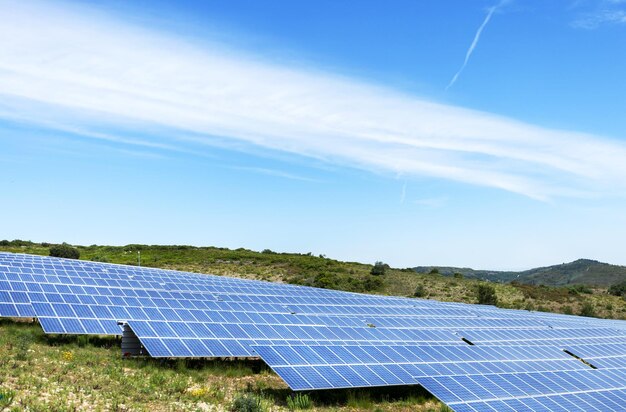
(475, 358)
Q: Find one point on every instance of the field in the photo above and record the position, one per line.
(319, 271)
(41, 372)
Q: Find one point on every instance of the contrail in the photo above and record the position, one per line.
(475, 42)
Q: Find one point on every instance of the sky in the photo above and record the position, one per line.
(484, 134)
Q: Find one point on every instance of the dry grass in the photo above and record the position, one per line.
(47, 373)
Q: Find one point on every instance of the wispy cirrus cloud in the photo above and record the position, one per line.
(275, 173)
(71, 67)
(604, 12)
(474, 43)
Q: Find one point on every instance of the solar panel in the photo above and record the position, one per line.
(601, 355)
(544, 336)
(473, 357)
(407, 364)
(580, 390)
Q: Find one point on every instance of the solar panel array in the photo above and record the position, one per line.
(474, 358)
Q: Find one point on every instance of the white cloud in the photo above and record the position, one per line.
(474, 43)
(594, 20)
(605, 12)
(274, 173)
(75, 69)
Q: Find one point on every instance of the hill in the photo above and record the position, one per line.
(580, 272)
(319, 271)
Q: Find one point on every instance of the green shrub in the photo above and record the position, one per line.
(576, 289)
(326, 281)
(419, 291)
(372, 283)
(64, 251)
(379, 269)
(619, 289)
(22, 345)
(299, 401)
(587, 310)
(6, 398)
(487, 295)
(247, 403)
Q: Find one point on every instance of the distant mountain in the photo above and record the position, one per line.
(579, 272)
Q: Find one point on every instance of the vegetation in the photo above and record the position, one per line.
(580, 272)
(64, 251)
(587, 310)
(618, 289)
(420, 291)
(299, 401)
(6, 398)
(379, 269)
(247, 403)
(68, 373)
(487, 295)
(319, 271)
(41, 372)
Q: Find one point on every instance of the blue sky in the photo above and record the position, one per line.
(487, 134)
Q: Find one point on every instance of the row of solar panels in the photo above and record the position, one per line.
(316, 339)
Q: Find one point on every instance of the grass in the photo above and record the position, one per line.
(310, 270)
(41, 372)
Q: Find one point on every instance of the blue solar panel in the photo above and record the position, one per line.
(586, 390)
(406, 364)
(601, 355)
(316, 338)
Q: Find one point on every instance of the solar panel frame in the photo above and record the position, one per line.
(327, 339)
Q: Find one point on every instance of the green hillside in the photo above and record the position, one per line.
(580, 272)
(319, 271)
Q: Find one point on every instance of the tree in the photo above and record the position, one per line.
(487, 295)
(379, 268)
(419, 291)
(64, 251)
(587, 310)
(434, 271)
(372, 283)
(618, 289)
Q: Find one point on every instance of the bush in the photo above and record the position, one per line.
(326, 281)
(372, 283)
(64, 251)
(379, 269)
(487, 295)
(419, 291)
(6, 397)
(434, 271)
(576, 289)
(246, 403)
(299, 401)
(588, 310)
(619, 289)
